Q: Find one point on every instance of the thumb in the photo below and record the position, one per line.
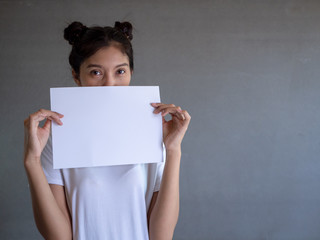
(47, 125)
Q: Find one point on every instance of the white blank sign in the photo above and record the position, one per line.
(105, 126)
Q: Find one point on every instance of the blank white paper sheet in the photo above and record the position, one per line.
(104, 126)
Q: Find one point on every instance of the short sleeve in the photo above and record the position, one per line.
(159, 171)
(54, 176)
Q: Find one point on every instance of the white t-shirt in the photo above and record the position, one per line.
(106, 202)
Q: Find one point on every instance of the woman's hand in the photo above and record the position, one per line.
(35, 137)
(173, 130)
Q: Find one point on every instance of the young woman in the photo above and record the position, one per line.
(138, 201)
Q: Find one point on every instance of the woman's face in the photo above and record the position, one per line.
(107, 67)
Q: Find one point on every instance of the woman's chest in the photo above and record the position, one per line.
(106, 182)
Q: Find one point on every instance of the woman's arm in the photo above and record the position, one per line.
(164, 214)
(49, 206)
(164, 208)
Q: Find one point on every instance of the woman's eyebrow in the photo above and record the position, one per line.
(122, 65)
(94, 65)
(100, 66)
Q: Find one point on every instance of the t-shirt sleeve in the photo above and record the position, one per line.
(159, 172)
(54, 176)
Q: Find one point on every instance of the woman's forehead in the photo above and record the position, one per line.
(110, 55)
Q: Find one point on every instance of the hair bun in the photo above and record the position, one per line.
(74, 32)
(125, 28)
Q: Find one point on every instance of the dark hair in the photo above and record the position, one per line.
(87, 41)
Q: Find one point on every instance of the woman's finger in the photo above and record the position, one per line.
(173, 111)
(46, 125)
(156, 104)
(186, 115)
(170, 109)
(42, 114)
(162, 106)
(54, 116)
(57, 120)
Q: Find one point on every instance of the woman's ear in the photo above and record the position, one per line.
(76, 78)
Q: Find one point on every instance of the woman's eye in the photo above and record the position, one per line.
(96, 72)
(121, 71)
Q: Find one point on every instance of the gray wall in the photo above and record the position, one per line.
(248, 73)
